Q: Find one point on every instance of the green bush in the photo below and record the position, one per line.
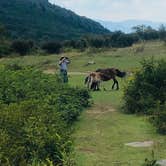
(151, 162)
(159, 119)
(4, 49)
(148, 90)
(52, 47)
(36, 114)
(22, 47)
(31, 130)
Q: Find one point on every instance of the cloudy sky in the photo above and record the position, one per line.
(117, 10)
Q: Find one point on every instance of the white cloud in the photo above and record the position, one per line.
(117, 9)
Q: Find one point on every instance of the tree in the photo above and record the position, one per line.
(162, 32)
(52, 47)
(21, 47)
(2, 31)
(140, 30)
(4, 43)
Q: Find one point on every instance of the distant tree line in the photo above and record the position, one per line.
(119, 39)
(113, 40)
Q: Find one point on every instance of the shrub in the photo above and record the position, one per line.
(36, 114)
(148, 90)
(151, 162)
(32, 130)
(4, 49)
(4, 42)
(52, 47)
(159, 119)
(22, 47)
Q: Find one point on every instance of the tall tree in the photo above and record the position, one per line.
(162, 32)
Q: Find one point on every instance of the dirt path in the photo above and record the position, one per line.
(101, 109)
(52, 71)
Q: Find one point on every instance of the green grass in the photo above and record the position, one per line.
(100, 137)
(122, 58)
(100, 140)
(100, 133)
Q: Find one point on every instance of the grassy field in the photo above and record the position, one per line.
(103, 130)
(122, 58)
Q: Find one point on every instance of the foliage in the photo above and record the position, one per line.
(159, 119)
(36, 114)
(4, 48)
(162, 32)
(148, 90)
(2, 31)
(4, 43)
(146, 32)
(115, 39)
(41, 20)
(151, 162)
(52, 47)
(22, 47)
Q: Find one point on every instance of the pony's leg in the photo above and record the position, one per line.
(93, 86)
(88, 81)
(98, 86)
(117, 85)
(113, 83)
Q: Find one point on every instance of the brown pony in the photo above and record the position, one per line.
(94, 79)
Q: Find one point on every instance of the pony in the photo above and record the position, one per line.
(94, 79)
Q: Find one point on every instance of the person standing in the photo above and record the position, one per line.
(63, 63)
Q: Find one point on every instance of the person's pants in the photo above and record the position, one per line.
(64, 77)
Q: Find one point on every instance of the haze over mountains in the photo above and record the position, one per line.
(41, 20)
(126, 26)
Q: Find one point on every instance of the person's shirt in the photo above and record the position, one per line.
(63, 64)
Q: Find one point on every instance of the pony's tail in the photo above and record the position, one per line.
(120, 74)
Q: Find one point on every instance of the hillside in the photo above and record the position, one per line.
(39, 19)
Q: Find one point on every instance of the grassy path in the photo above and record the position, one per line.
(102, 132)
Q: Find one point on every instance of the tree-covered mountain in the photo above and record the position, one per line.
(40, 20)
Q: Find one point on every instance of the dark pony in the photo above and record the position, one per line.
(94, 79)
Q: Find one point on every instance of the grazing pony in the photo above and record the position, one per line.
(94, 79)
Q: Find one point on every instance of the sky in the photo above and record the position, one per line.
(117, 10)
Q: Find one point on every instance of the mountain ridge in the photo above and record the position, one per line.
(41, 20)
(126, 25)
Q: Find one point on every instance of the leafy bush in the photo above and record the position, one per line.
(148, 90)
(159, 119)
(22, 47)
(151, 162)
(31, 130)
(36, 114)
(4, 43)
(4, 49)
(52, 47)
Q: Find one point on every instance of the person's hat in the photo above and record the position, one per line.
(62, 57)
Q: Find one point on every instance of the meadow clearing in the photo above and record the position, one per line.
(103, 130)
